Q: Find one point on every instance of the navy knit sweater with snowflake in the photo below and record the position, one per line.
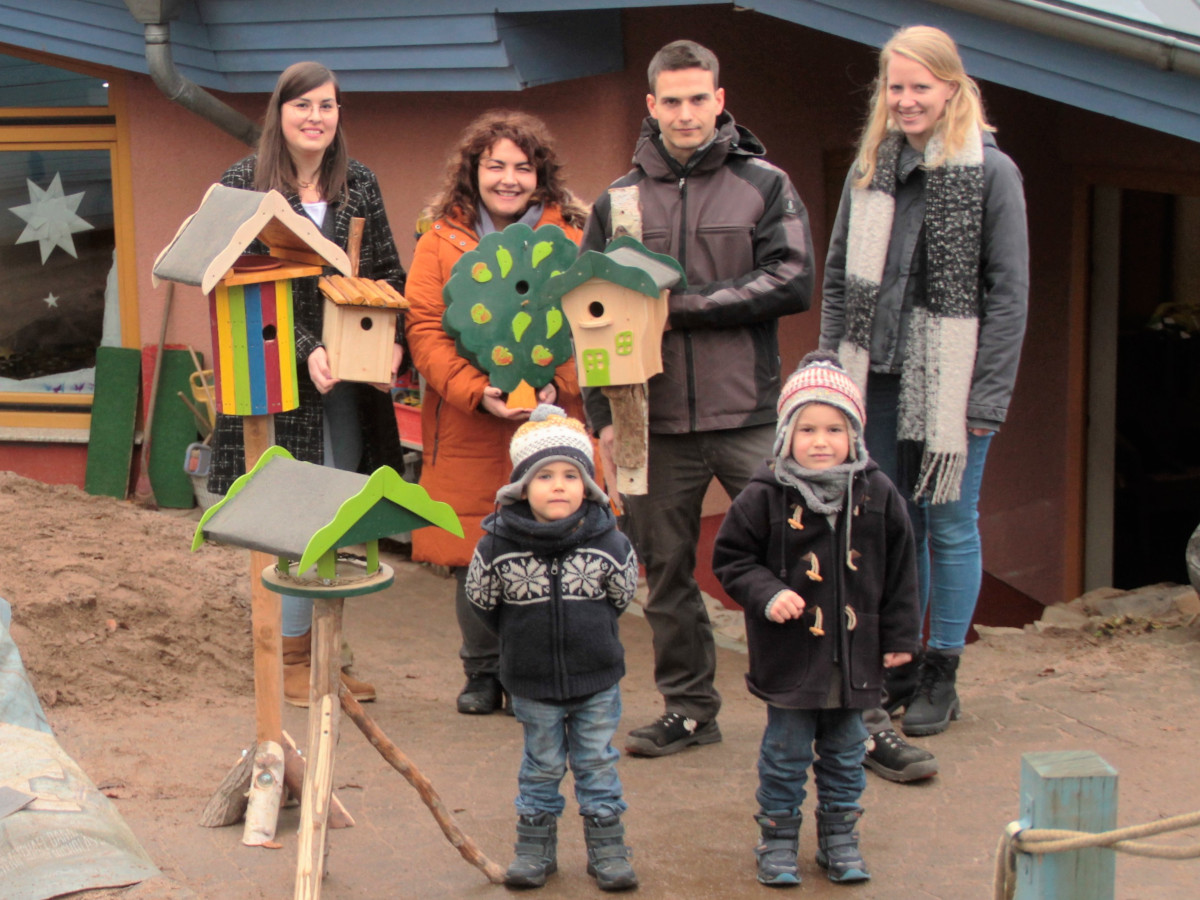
(553, 592)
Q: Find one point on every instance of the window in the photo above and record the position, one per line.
(63, 215)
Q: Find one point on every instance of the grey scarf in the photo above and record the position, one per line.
(939, 363)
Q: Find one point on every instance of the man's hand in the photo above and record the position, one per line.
(788, 605)
(319, 371)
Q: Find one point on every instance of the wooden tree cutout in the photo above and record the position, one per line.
(503, 321)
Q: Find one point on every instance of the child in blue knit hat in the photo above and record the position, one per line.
(551, 575)
(818, 551)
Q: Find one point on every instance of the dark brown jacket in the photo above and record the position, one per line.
(737, 226)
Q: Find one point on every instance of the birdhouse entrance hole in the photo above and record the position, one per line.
(522, 287)
(366, 323)
(268, 333)
(596, 309)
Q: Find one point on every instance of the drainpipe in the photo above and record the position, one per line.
(1162, 49)
(155, 17)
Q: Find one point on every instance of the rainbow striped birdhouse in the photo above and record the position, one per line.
(249, 296)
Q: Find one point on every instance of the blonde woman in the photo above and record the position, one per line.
(925, 296)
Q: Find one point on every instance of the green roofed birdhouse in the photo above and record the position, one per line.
(359, 327)
(250, 296)
(500, 314)
(304, 513)
(616, 303)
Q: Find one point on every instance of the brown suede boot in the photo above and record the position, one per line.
(297, 672)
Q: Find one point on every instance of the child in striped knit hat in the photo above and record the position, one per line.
(551, 575)
(818, 551)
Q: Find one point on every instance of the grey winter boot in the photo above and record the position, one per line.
(837, 846)
(776, 852)
(935, 702)
(608, 857)
(537, 845)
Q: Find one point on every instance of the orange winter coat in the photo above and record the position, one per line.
(465, 449)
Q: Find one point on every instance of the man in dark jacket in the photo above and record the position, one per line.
(701, 192)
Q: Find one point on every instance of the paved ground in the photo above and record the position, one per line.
(1132, 699)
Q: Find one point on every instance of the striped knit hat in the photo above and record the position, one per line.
(550, 435)
(820, 378)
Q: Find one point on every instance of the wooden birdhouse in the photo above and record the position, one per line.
(250, 296)
(302, 513)
(616, 303)
(359, 328)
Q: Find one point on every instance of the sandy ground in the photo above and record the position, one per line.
(140, 653)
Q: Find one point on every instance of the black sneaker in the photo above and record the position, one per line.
(481, 695)
(895, 759)
(670, 733)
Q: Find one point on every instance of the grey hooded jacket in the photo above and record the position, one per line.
(737, 226)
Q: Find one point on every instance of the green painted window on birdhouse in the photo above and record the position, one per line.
(624, 343)
(595, 368)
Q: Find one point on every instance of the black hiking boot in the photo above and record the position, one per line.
(481, 695)
(670, 733)
(892, 757)
(935, 702)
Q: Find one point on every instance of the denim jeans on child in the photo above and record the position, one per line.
(949, 549)
(579, 731)
(829, 740)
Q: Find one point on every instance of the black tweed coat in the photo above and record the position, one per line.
(300, 431)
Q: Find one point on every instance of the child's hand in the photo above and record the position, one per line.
(891, 660)
(788, 605)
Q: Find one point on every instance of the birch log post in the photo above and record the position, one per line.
(322, 739)
(631, 436)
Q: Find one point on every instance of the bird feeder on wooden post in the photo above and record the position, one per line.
(254, 368)
(616, 304)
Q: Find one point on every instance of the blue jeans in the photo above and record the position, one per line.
(832, 741)
(579, 731)
(949, 549)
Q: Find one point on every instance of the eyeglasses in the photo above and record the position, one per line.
(304, 107)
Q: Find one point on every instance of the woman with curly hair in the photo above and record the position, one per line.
(503, 170)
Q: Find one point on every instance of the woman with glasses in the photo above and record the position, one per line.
(352, 426)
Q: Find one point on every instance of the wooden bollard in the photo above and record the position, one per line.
(1074, 790)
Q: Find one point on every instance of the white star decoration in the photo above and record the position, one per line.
(51, 218)
(50, 299)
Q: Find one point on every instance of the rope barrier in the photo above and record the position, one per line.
(1052, 840)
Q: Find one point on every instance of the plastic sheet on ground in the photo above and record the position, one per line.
(70, 838)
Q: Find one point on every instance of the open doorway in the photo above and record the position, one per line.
(1146, 321)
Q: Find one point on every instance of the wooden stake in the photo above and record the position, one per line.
(354, 244)
(322, 739)
(294, 767)
(402, 764)
(265, 797)
(631, 436)
(265, 606)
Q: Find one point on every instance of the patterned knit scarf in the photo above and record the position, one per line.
(939, 362)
